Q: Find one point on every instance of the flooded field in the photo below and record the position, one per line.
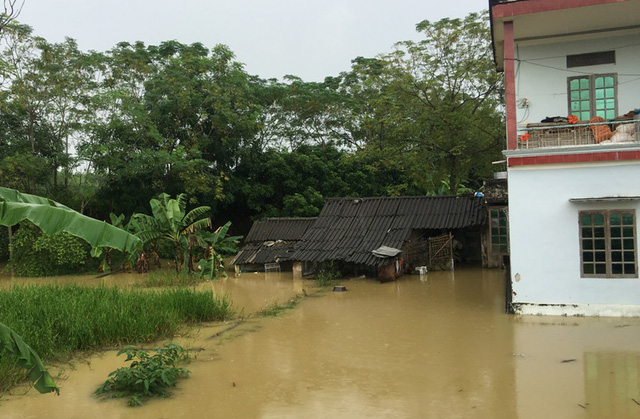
(435, 346)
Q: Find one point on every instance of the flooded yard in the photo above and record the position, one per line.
(436, 346)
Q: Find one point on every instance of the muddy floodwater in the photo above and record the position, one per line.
(432, 346)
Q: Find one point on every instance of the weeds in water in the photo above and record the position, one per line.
(276, 309)
(328, 276)
(170, 279)
(148, 375)
(10, 373)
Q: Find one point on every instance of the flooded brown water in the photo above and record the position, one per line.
(437, 346)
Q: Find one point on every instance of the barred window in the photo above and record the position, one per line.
(499, 235)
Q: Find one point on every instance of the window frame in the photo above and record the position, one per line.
(608, 247)
(592, 94)
(492, 243)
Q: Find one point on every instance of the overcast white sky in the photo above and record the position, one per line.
(311, 39)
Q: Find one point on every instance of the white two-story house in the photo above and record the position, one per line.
(572, 76)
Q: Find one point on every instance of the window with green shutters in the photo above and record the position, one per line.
(499, 234)
(608, 244)
(591, 96)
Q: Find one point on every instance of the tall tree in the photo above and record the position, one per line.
(170, 117)
(434, 104)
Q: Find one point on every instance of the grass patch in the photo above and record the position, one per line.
(10, 373)
(276, 308)
(170, 279)
(58, 320)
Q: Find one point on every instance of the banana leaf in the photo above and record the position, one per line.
(11, 342)
(53, 217)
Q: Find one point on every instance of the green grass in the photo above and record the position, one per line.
(170, 279)
(58, 320)
(10, 373)
(276, 309)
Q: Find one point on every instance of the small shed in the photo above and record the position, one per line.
(349, 230)
(270, 242)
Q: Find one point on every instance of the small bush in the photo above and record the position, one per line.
(37, 254)
(328, 276)
(148, 375)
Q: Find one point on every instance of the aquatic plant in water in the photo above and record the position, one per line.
(148, 375)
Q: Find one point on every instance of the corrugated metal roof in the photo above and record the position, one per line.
(278, 229)
(253, 253)
(272, 239)
(348, 229)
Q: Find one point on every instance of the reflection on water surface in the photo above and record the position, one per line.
(436, 346)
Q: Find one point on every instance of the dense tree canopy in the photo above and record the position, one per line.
(107, 131)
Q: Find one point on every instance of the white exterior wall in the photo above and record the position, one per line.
(544, 237)
(541, 75)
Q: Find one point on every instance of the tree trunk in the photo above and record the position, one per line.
(452, 176)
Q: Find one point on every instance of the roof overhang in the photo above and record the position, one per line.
(606, 199)
(545, 21)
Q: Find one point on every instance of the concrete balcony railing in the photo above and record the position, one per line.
(545, 135)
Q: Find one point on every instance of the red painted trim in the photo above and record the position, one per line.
(505, 10)
(574, 158)
(510, 86)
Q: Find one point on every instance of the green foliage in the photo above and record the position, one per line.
(4, 244)
(38, 254)
(296, 183)
(148, 375)
(329, 275)
(163, 278)
(276, 308)
(12, 344)
(185, 118)
(57, 320)
(53, 217)
(433, 106)
(218, 245)
(10, 373)
(171, 223)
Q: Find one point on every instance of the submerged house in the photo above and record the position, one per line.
(572, 75)
(384, 235)
(270, 242)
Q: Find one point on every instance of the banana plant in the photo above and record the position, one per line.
(171, 222)
(53, 217)
(12, 343)
(218, 245)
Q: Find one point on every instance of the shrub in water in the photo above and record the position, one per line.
(148, 375)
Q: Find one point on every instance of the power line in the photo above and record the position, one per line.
(585, 73)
